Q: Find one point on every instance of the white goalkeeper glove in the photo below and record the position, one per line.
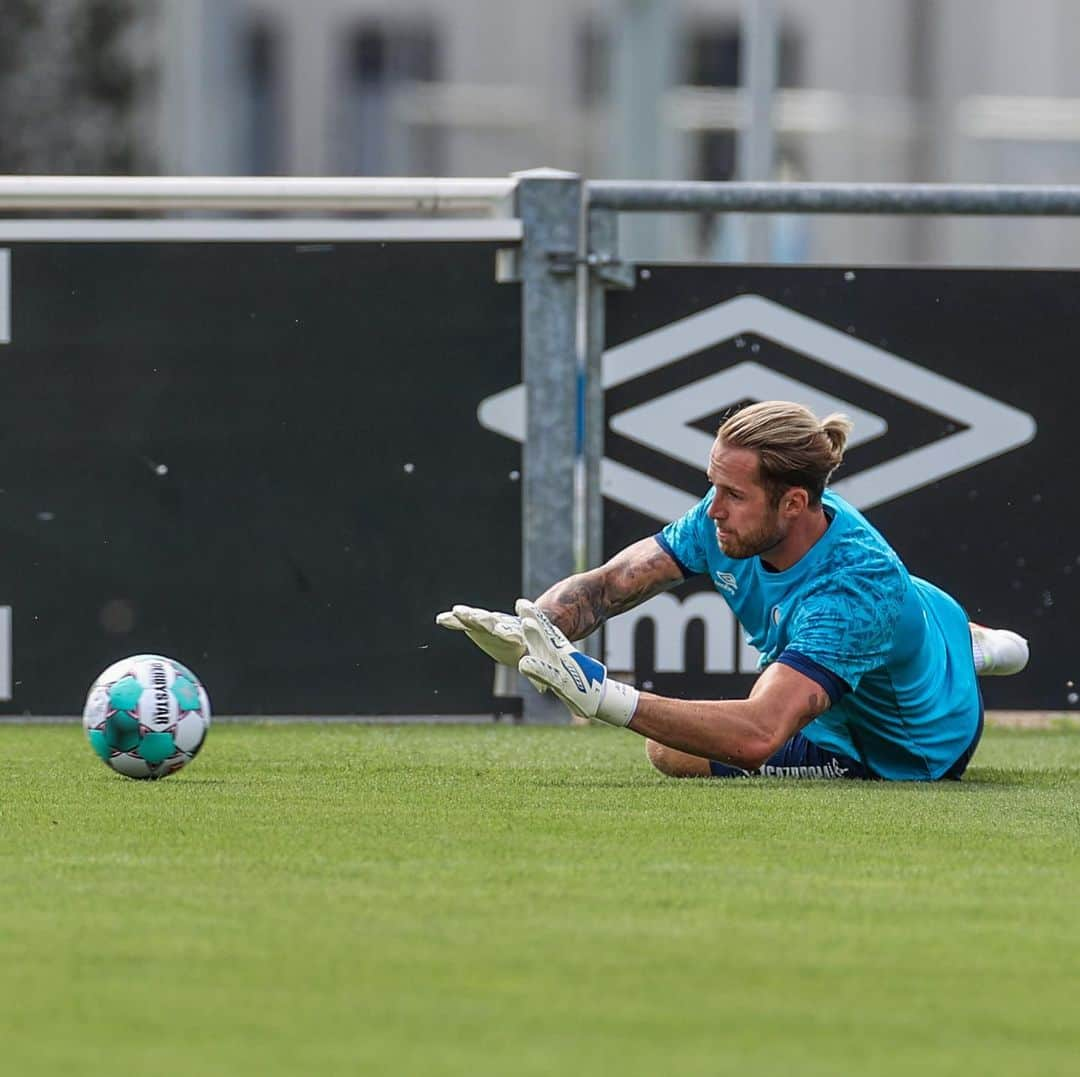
(579, 681)
(498, 635)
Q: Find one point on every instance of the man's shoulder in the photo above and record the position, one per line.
(857, 593)
(858, 566)
(851, 517)
(686, 539)
(855, 544)
(694, 517)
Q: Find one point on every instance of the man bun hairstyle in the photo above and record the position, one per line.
(794, 446)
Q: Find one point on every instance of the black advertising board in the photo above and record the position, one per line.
(963, 453)
(262, 459)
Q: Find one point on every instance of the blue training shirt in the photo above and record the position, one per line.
(892, 651)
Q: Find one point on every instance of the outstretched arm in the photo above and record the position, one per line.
(578, 605)
(581, 603)
(742, 732)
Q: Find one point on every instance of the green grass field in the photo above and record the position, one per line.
(343, 899)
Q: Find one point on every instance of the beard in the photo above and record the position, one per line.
(753, 543)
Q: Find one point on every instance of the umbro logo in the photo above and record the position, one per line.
(727, 582)
(983, 427)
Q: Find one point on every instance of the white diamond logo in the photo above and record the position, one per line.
(663, 424)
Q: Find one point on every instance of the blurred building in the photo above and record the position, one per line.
(897, 90)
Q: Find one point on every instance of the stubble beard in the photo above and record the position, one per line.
(741, 547)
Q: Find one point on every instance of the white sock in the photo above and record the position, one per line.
(977, 650)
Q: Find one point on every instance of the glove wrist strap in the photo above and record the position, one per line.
(618, 703)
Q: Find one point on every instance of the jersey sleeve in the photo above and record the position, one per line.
(846, 625)
(684, 539)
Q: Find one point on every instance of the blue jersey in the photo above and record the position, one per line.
(892, 651)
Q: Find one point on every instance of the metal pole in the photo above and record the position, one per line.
(602, 225)
(990, 200)
(310, 193)
(549, 206)
(756, 143)
(605, 270)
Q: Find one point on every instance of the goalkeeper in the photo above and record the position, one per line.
(866, 671)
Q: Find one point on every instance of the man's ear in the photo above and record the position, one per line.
(794, 501)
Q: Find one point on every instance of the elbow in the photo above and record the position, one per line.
(752, 758)
(764, 729)
(757, 750)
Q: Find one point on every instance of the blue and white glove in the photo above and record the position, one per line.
(498, 635)
(579, 681)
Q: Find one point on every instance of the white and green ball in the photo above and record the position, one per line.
(147, 716)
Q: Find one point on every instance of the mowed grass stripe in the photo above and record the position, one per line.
(494, 900)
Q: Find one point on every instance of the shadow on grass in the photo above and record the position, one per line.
(172, 781)
(987, 778)
(587, 782)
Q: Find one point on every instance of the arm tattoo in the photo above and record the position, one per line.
(582, 603)
(578, 607)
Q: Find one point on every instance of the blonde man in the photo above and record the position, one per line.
(866, 670)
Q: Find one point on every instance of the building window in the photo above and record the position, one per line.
(263, 121)
(381, 61)
(592, 47)
(713, 59)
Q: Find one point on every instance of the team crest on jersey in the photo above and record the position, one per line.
(726, 582)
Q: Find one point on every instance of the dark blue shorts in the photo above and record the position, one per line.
(801, 758)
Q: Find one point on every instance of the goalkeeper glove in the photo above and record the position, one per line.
(579, 681)
(498, 635)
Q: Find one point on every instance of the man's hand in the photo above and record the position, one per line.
(579, 681)
(496, 634)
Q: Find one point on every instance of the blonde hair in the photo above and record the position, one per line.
(794, 446)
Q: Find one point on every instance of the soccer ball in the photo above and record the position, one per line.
(146, 716)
